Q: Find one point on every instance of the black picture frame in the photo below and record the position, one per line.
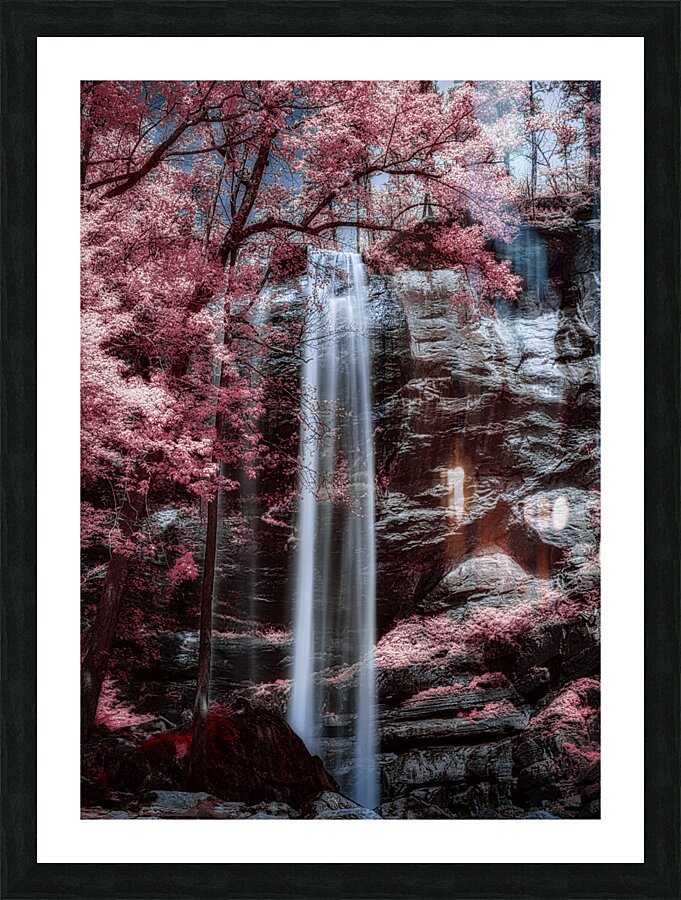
(658, 22)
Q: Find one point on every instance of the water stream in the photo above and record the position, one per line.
(335, 562)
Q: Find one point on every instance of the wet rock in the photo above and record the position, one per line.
(271, 811)
(481, 578)
(575, 339)
(581, 573)
(557, 759)
(435, 731)
(193, 805)
(512, 401)
(449, 766)
(465, 715)
(358, 812)
(253, 756)
(568, 649)
(484, 800)
(213, 808)
(534, 683)
(553, 760)
(413, 808)
(98, 812)
(328, 801)
(563, 517)
(166, 804)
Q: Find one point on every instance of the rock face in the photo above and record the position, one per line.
(544, 760)
(487, 536)
(491, 426)
(486, 430)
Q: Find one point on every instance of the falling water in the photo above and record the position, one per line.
(334, 621)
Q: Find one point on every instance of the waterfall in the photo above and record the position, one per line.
(335, 563)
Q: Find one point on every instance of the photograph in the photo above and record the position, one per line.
(340, 433)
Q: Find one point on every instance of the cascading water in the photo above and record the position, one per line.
(335, 577)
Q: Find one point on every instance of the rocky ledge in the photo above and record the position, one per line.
(187, 805)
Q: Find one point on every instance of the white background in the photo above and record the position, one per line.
(62, 836)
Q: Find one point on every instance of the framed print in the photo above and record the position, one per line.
(357, 461)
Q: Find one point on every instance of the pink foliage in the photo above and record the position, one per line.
(272, 695)
(468, 632)
(183, 569)
(445, 690)
(591, 757)
(342, 674)
(571, 707)
(114, 713)
(277, 637)
(571, 719)
(156, 243)
(494, 709)
(489, 680)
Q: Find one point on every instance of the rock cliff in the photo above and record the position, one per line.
(487, 537)
(487, 534)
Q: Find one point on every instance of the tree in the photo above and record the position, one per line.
(142, 430)
(583, 100)
(533, 147)
(242, 174)
(562, 122)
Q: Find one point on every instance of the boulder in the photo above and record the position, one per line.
(328, 801)
(484, 578)
(253, 756)
(183, 805)
(413, 808)
(358, 812)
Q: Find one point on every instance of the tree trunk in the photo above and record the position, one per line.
(229, 249)
(86, 146)
(202, 295)
(196, 770)
(593, 142)
(234, 235)
(85, 160)
(96, 661)
(213, 207)
(533, 153)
